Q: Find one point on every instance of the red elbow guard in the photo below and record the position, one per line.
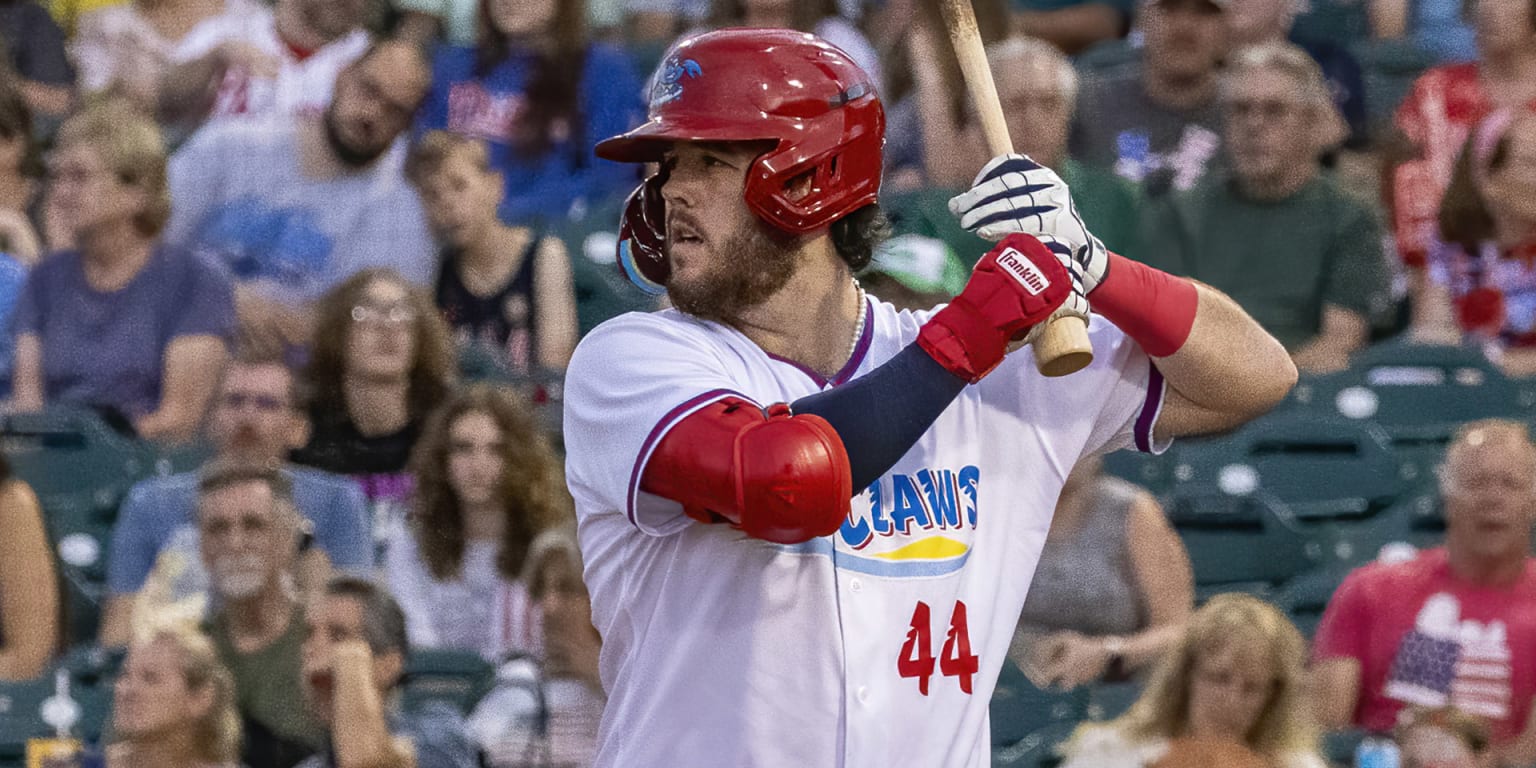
(777, 476)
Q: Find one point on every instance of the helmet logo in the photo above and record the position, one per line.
(669, 81)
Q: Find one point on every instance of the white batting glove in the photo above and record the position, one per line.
(1076, 304)
(1016, 194)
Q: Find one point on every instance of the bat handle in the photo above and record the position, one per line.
(1062, 346)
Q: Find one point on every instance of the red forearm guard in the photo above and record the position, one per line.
(1154, 308)
(777, 476)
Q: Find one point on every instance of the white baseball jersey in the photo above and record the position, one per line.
(876, 646)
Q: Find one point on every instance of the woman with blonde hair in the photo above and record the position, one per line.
(487, 483)
(1229, 693)
(121, 323)
(174, 705)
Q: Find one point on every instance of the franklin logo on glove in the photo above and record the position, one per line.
(1021, 270)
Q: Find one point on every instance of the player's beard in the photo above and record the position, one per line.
(754, 263)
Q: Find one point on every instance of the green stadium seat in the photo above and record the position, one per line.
(602, 291)
(1322, 469)
(926, 212)
(81, 469)
(1418, 393)
(1019, 708)
(90, 674)
(1107, 701)
(1154, 473)
(459, 678)
(1305, 597)
(1239, 543)
(1037, 750)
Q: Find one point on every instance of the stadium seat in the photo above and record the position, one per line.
(1305, 597)
(90, 673)
(80, 468)
(459, 678)
(1107, 701)
(1322, 469)
(602, 291)
(1154, 473)
(1239, 543)
(1037, 750)
(1019, 709)
(1415, 391)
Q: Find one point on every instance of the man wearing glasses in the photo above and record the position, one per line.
(256, 419)
(1270, 229)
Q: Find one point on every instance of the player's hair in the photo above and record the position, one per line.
(432, 372)
(131, 147)
(1228, 620)
(428, 156)
(857, 235)
(552, 95)
(1031, 49)
(215, 735)
(532, 491)
(383, 620)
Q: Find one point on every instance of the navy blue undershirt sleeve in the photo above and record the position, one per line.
(881, 415)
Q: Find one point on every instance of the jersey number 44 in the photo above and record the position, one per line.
(955, 659)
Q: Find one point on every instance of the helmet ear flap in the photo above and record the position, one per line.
(642, 246)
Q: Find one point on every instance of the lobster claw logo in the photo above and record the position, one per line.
(669, 81)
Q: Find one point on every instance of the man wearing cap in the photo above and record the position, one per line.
(1154, 119)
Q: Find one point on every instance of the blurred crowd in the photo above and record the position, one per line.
(346, 248)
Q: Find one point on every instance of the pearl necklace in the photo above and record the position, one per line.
(858, 330)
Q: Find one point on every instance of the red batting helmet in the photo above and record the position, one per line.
(770, 84)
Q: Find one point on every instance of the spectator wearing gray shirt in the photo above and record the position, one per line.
(294, 209)
(1155, 119)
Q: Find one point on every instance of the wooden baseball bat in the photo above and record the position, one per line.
(1062, 347)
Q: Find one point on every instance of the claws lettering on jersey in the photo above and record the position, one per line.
(909, 506)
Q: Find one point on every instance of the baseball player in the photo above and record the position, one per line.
(809, 520)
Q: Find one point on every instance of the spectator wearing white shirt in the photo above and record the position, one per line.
(130, 48)
(289, 66)
(487, 484)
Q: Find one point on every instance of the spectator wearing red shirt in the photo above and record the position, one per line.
(1480, 278)
(1445, 103)
(1456, 625)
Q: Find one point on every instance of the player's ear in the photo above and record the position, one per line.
(797, 188)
